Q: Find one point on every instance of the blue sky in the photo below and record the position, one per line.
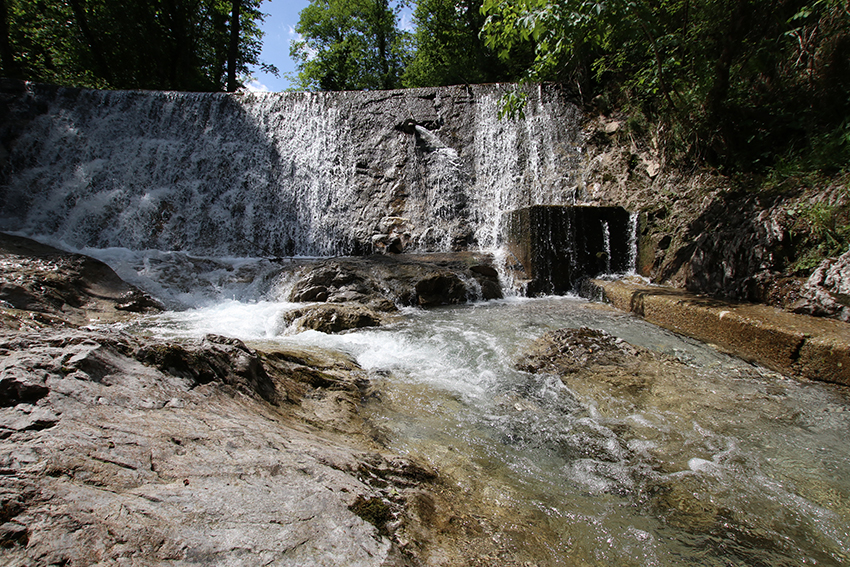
(279, 28)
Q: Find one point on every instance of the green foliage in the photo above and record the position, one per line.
(349, 45)
(821, 231)
(134, 44)
(448, 49)
(736, 83)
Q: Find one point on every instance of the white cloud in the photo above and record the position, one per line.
(256, 86)
(406, 21)
(295, 36)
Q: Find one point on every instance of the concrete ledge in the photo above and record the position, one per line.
(812, 347)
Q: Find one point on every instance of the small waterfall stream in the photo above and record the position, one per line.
(704, 460)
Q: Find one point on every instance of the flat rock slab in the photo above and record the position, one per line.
(812, 347)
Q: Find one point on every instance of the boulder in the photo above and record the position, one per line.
(332, 318)
(79, 289)
(383, 281)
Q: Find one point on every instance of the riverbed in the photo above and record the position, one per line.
(699, 458)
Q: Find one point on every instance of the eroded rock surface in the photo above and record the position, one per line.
(827, 291)
(382, 282)
(332, 318)
(76, 288)
(120, 449)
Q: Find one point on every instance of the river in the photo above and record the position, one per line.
(699, 459)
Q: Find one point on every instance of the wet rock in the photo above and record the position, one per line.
(567, 351)
(401, 170)
(38, 278)
(332, 318)
(115, 446)
(383, 281)
(440, 289)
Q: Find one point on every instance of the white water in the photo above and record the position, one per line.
(728, 465)
(725, 464)
(281, 174)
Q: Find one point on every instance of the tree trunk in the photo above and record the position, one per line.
(91, 40)
(7, 57)
(233, 49)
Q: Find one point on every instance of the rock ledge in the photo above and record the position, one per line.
(814, 348)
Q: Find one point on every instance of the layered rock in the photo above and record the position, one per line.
(73, 287)
(123, 449)
(827, 291)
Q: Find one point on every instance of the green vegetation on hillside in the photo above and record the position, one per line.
(740, 84)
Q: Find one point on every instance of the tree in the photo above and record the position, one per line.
(739, 83)
(349, 45)
(233, 46)
(135, 44)
(448, 49)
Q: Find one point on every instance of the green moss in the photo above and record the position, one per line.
(373, 510)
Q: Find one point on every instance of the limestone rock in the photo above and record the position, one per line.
(332, 318)
(568, 351)
(827, 291)
(183, 453)
(383, 281)
(39, 278)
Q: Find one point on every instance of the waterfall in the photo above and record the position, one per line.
(606, 245)
(279, 174)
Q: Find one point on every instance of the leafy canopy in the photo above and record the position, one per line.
(132, 44)
(349, 45)
(740, 83)
(448, 49)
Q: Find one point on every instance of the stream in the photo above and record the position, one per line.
(702, 460)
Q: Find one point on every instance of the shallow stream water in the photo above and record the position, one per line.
(704, 460)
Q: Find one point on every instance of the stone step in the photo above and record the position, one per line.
(811, 347)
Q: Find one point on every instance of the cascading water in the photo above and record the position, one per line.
(279, 174)
(719, 464)
(701, 459)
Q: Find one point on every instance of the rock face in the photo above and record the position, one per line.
(827, 291)
(558, 246)
(700, 233)
(115, 449)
